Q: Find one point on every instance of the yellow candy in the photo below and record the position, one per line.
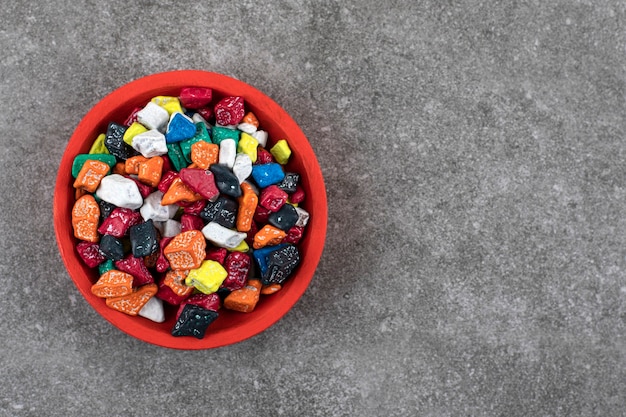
(248, 145)
(281, 151)
(242, 247)
(98, 145)
(169, 103)
(208, 278)
(132, 131)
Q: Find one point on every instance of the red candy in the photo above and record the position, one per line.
(119, 221)
(132, 117)
(137, 268)
(166, 294)
(190, 222)
(144, 190)
(297, 196)
(166, 180)
(200, 181)
(195, 208)
(237, 265)
(229, 111)
(216, 254)
(162, 264)
(195, 97)
(90, 253)
(263, 156)
(294, 235)
(207, 301)
(273, 198)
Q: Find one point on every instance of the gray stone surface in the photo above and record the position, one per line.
(474, 157)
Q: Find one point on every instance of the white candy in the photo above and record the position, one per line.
(153, 310)
(303, 217)
(120, 191)
(197, 118)
(261, 137)
(247, 127)
(153, 116)
(222, 236)
(170, 228)
(150, 143)
(228, 151)
(242, 168)
(152, 208)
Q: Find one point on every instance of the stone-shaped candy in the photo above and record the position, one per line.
(228, 152)
(195, 97)
(227, 183)
(267, 174)
(180, 127)
(137, 268)
(237, 265)
(153, 310)
(114, 142)
(201, 181)
(153, 210)
(111, 248)
(229, 111)
(242, 167)
(153, 116)
(120, 191)
(290, 182)
(285, 218)
(193, 321)
(119, 221)
(280, 264)
(143, 239)
(150, 143)
(207, 278)
(272, 198)
(222, 236)
(220, 133)
(89, 252)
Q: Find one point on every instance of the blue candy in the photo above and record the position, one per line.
(267, 174)
(180, 128)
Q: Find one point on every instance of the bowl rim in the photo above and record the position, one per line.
(141, 90)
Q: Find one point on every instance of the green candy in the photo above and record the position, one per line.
(105, 266)
(201, 134)
(220, 133)
(80, 160)
(176, 156)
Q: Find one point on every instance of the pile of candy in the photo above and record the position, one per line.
(183, 204)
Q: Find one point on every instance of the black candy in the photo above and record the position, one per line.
(143, 239)
(193, 321)
(105, 209)
(280, 264)
(288, 184)
(114, 142)
(222, 211)
(285, 218)
(111, 248)
(226, 182)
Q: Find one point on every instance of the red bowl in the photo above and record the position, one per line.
(231, 327)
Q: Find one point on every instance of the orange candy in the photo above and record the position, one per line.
(271, 288)
(175, 279)
(90, 175)
(132, 303)
(85, 217)
(186, 250)
(150, 171)
(131, 166)
(244, 299)
(247, 205)
(203, 154)
(268, 235)
(251, 119)
(119, 168)
(179, 191)
(113, 283)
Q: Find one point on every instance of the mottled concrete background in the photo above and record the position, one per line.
(474, 154)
